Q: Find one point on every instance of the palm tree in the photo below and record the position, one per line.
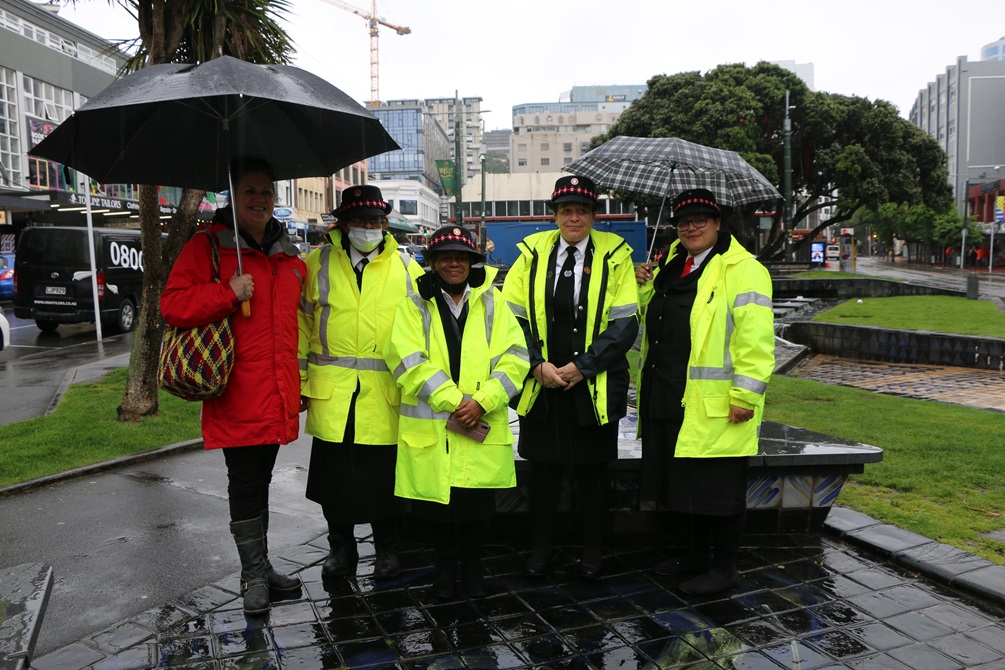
(185, 31)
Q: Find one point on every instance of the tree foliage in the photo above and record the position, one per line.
(186, 31)
(847, 152)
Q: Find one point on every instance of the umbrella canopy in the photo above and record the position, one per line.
(665, 166)
(179, 125)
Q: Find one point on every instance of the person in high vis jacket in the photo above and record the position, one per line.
(354, 285)
(574, 293)
(708, 352)
(459, 356)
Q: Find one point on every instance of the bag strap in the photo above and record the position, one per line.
(214, 249)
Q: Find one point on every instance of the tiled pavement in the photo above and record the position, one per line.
(804, 602)
(962, 386)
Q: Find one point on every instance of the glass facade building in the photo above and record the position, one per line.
(422, 141)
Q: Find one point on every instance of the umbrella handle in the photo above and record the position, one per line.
(246, 308)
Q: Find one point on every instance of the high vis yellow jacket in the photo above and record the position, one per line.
(432, 459)
(611, 322)
(341, 340)
(732, 353)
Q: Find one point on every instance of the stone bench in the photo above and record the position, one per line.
(793, 482)
(24, 596)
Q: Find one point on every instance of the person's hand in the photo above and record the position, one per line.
(739, 415)
(468, 413)
(547, 376)
(303, 403)
(242, 286)
(644, 273)
(570, 374)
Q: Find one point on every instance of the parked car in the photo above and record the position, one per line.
(54, 276)
(4, 330)
(417, 253)
(6, 275)
(833, 252)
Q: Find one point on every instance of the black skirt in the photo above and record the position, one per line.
(712, 486)
(465, 505)
(353, 483)
(552, 432)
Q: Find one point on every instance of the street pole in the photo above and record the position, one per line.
(481, 228)
(458, 157)
(966, 222)
(787, 180)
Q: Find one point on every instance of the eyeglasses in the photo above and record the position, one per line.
(377, 222)
(696, 222)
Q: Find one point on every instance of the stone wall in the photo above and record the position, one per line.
(892, 346)
(851, 287)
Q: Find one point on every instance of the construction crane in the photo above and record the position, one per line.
(373, 20)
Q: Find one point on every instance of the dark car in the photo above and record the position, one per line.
(6, 275)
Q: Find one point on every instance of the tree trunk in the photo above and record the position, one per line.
(140, 397)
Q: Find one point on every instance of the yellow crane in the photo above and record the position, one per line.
(373, 20)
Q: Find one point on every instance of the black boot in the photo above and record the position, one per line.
(251, 548)
(342, 557)
(544, 491)
(592, 485)
(693, 533)
(277, 580)
(725, 534)
(385, 542)
(445, 577)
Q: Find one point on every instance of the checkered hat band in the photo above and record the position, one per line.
(440, 239)
(698, 201)
(574, 189)
(376, 204)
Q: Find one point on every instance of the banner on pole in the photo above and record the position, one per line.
(447, 175)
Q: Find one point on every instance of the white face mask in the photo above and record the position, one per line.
(365, 239)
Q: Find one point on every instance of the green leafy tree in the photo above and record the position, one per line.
(496, 162)
(847, 152)
(187, 31)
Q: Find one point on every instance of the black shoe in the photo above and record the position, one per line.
(445, 580)
(280, 582)
(341, 562)
(473, 577)
(688, 564)
(386, 564)
(715, 580)
(539, 564)
(591, 569)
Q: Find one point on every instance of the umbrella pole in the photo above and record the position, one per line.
(245, 304)
(90, 249)
(659, 217)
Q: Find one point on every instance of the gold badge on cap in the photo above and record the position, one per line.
(575, 181)
(457, 231)
(358, 192)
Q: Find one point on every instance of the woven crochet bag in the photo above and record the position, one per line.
(195, 363)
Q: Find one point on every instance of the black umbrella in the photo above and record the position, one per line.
(179, 125)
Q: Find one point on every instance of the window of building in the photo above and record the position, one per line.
(521, 162)
(566, 160)
(408, 207)
(541, 208)
(545, 161)
(46, 101)
(512, 208)
(10, 139)
(545, 146)
(567, 146)
(521, 147)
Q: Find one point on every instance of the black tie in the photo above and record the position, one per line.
(359, 273)
(565, 289)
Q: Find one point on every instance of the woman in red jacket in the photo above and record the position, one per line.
(260, 408)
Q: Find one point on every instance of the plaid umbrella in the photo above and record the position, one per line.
(665, 166)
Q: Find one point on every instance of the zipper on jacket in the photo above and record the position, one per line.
(712, 295)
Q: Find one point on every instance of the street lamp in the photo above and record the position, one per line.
(481, 227)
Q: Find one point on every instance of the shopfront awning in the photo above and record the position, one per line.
(398, 221)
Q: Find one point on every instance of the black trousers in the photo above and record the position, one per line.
(249, 473)
(545, 492)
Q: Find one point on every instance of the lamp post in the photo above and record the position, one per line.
(787, 177)
(458, 173)
(481, 227)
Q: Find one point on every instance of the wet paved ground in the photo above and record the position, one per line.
(962, 386)
(804, 602)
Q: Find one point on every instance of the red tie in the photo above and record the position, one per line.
(688, 264)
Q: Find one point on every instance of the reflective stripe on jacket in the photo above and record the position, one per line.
(342, 335)
(611, 322)
(432, 459)
(732, 354)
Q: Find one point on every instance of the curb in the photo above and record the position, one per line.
(96, 468)
(940, 562)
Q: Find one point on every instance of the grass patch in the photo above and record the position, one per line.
(935, 313)
(83, 430)
(828, 274)
(943, 468)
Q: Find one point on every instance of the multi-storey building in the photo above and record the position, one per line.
(994, 51)
(962, 109)
(464, 114)
(422, 139)
(548, 135)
